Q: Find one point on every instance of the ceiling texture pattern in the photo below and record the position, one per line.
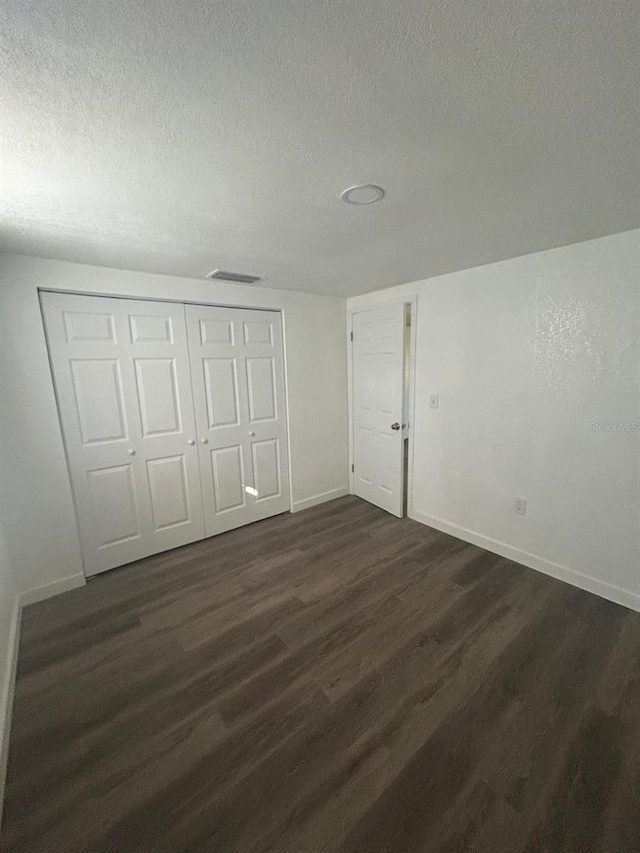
(177, 136)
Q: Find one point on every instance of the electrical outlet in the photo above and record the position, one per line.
(434, 401)
(520, 506)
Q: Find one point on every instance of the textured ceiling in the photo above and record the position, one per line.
(177, 136)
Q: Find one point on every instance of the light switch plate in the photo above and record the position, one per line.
(434, 401)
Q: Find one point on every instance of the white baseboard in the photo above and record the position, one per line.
(6, 694)
(320, 499)
(555, 570)
(31, 596)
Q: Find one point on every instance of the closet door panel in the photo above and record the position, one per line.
(264, 371)
(169, 489)
(114, 504)
(221, 390)
(85, 338)
(100, 416)
(122, 382)
(160, 388)
(219, 394)
(265, 458)
(261, 388)
(238, 384)
(227, 470)
(158, 402)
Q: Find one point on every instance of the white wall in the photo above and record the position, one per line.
(526, 354)
(35, 496)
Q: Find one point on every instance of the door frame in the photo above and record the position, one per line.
(174, 300)
(359, 308)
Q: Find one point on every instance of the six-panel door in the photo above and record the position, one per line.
(378, 365)
(123, 385)
(126, 400)
(239, 394)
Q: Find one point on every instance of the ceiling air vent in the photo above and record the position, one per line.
(222, 275)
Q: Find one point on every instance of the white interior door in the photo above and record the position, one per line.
(378, 434)
(121, 371)
(237, 368)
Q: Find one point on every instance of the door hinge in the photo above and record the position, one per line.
(351, 335)
(353, 468)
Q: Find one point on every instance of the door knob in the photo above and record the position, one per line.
(251, 433)
(204, 440)
(131, 452)
(191, 442)
(395, 426)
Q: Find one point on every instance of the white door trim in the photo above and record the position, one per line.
(115, 295)
(364, 306)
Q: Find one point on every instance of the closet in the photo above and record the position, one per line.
(173, 419)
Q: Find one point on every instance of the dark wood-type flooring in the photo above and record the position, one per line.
(336, 681)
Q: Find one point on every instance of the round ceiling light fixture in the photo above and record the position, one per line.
(363, 194)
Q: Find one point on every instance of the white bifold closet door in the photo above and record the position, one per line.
(239, 395)
(121, 372)
(145, 445)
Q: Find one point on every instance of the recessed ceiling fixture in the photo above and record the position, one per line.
(363, 194)
(222, 275)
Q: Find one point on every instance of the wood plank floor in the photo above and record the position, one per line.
(336, 681)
